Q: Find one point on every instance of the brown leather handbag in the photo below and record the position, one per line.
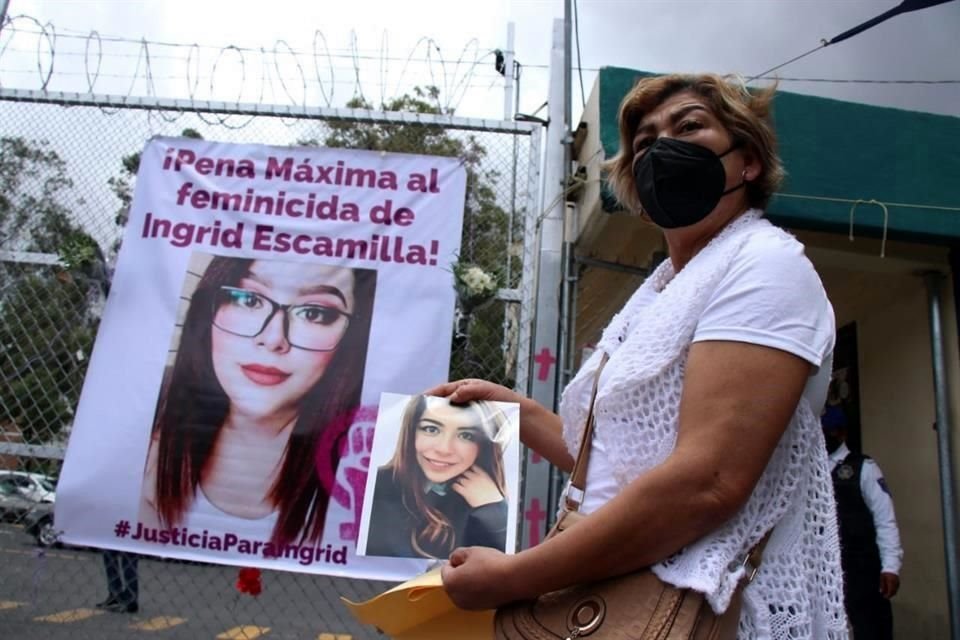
(636, 606)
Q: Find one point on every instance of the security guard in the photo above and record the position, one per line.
(870, 550)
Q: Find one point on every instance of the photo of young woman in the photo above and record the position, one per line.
(267, 373)
(445, 485)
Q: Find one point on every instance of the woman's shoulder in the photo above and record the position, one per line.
(771, 295)
(773, 256)
(768, 242)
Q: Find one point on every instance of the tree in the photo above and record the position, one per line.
(122, 185)
(45, 353)
(48, 313)
(479, 345)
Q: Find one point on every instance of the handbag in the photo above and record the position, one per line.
(635, 606)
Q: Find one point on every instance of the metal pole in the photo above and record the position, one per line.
(557, 478)
(4, 5)
(567, 75)
(545, 360)
(561, 113)
(569, 231)
(944, 452)
(528, 274)
(508, 112)
(568, 297)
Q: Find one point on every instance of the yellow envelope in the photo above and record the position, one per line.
(419, 609)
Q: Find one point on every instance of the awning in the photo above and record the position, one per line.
(842, 159)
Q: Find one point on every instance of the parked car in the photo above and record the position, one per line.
(13, 506)
(38, 522)
(36, 517)
(34, 486)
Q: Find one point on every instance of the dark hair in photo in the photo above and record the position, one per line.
(433, 528)
(193, 407)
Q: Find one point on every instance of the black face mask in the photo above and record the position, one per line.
(680, 183)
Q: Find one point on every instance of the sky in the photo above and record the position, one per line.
(393, 42)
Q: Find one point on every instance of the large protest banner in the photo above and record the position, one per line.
(263, 299)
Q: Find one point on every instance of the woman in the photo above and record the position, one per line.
(444, 486)
(706, 432)
(267, 375)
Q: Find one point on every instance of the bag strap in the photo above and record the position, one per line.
(578, 477)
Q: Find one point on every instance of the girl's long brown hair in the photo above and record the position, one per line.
(432, 528)
(193, 407)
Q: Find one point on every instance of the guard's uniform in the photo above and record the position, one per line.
(869, 541)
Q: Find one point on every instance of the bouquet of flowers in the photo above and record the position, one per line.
(475, 287)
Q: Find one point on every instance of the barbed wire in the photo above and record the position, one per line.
(234, 73)
(477, 82)
(335, 53)
(280, 73)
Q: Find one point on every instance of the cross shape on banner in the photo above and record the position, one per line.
(535, 516)
(546, 360)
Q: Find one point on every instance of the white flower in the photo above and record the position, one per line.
(475, 287)
(478, 282)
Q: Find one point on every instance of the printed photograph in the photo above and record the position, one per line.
(265, 372)
(441, 477)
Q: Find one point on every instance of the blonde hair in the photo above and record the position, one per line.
(744, 113)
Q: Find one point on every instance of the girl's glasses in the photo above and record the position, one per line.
(313, 327)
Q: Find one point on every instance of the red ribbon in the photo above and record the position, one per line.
(248, 581)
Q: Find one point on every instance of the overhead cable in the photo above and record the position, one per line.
(904, 7)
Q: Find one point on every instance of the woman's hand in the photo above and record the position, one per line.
(477, 487)
(478, 578)
(540, 429)
(461, 391)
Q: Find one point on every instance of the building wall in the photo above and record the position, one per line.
(621, 241)
(891, 311)
(589, 157)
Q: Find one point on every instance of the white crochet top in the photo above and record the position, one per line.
(798, 593)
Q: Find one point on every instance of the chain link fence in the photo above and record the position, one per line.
(67, 172)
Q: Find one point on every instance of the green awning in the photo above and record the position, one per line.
(837, 153)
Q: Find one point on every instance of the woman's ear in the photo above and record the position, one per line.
(752, 167)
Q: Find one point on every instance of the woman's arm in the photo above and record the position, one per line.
(540, 428)
(738, 399)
